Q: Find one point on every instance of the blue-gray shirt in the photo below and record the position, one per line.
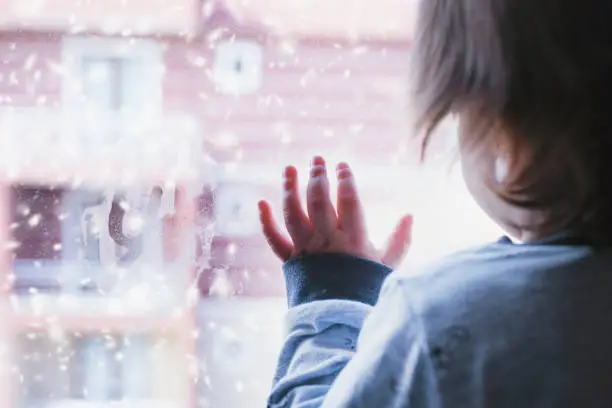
(502, 326)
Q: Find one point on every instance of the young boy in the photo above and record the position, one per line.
(519, 323)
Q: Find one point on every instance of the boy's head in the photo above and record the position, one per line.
(531, 82)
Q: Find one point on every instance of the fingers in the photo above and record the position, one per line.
(278, 243)
(399, 242)
(320, 209)
(350, 213)
(298, 224)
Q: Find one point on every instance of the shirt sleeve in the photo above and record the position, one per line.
(346, 353)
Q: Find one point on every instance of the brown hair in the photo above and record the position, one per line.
(540, 69)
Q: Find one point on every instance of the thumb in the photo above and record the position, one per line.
(280, 245)
(399, 242)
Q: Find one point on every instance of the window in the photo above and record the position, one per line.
(236, 210)
(102, 85)
(238, 67)
(109, 85)
(234, 337)
(36, 225)
(42, 363)
(124, 298)
(90, 367)
(70, 239)
(53, 225)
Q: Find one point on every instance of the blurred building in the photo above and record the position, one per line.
(136, 138)
(94, 310)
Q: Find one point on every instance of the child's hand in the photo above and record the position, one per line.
(324, 229)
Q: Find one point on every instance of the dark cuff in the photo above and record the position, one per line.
(333, 276)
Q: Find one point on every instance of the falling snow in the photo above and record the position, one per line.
(132, 162)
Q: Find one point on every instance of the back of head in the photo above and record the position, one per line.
(539, 73)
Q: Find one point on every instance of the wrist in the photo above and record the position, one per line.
(329, 276)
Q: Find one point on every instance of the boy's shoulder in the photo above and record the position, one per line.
(486, 271)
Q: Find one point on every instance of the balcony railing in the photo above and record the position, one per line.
(136, 17)
(74, 403)
(69, 288)
(54, 145)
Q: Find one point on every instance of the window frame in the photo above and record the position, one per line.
(147, 54)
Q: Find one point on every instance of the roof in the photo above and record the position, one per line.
(342, 19)
(351, 19)
(129, 17)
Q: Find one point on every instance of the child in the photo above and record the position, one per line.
(518, 323)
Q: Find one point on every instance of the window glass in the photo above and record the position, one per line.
(136, 138)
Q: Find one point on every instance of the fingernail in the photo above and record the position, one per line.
(317, 171)
(343, 171)
(346, 187)
(408, 220)
(317, 161)
(288, 185)
(262, 206)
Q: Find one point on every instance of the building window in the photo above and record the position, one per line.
(102, 82)
(235, 210)
(111, 86)
(92, 367)
(67, 239)
(36, 226)
(238, 67)
(51, 225)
